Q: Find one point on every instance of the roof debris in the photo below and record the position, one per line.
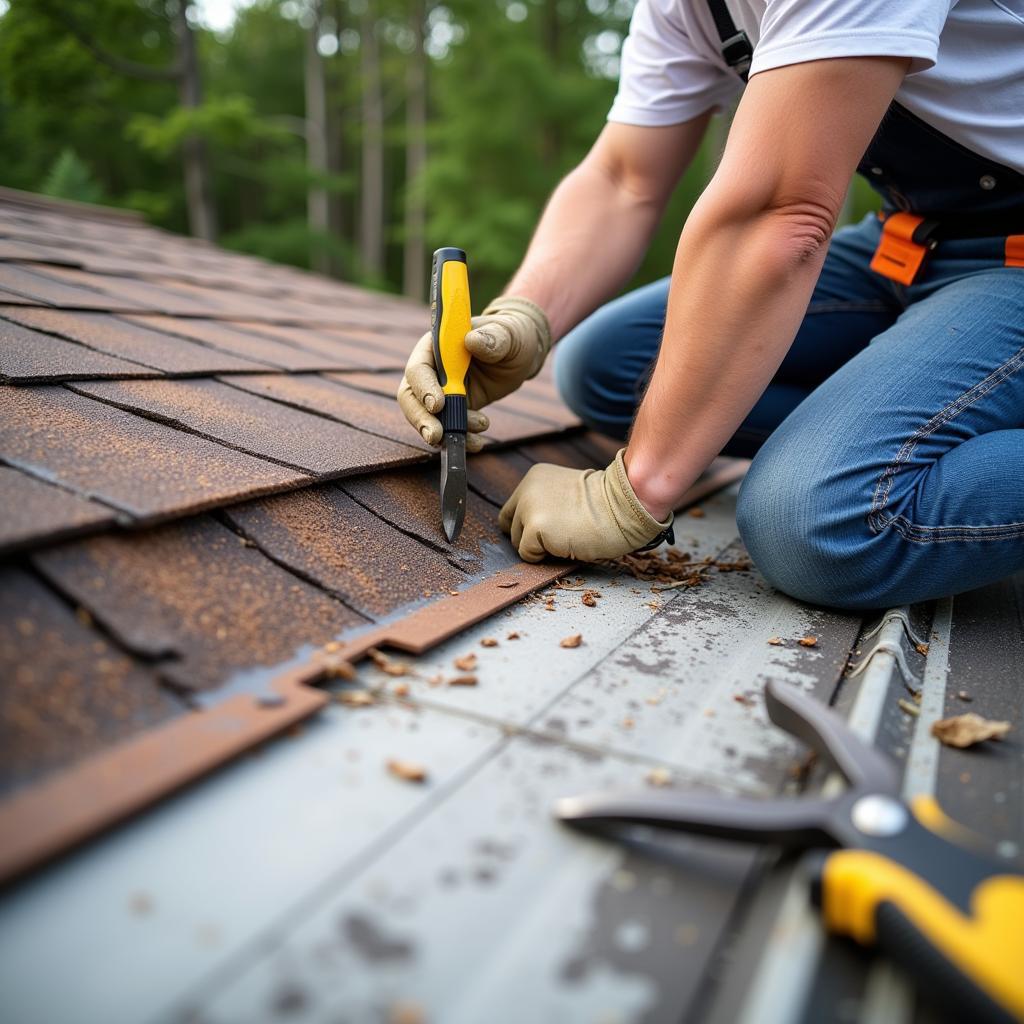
(356, 698)
(407, 771)
(387, 665)
(908, 707)
(966, 730)
(574, 640)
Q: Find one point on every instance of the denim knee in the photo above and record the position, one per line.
(809, 537)
(589, 380)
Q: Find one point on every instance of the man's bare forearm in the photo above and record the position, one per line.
(599, 221)
(748, 260)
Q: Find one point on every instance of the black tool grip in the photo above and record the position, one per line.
(454, 414)
(937, 977)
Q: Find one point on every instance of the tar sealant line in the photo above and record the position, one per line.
(779, 990)
(923, 759)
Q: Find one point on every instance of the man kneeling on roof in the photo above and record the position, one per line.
(875, 375)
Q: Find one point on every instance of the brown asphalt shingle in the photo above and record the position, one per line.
(325, 536)
(227, 337)
(196, 597)
(144, 468)
(147, 348)
(34, 510)
(27, 355)
(314, 444)
(66, 690)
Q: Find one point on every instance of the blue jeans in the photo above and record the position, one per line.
(889, 448)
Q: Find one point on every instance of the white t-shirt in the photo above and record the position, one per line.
(967, 59)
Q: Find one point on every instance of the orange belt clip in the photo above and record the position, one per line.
(1015, 251)
(906, 240)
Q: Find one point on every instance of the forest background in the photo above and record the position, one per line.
(349, 136)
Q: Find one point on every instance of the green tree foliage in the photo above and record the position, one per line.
(70, 178)
(517, 90)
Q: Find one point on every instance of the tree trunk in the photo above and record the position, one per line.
(371, 213)
(202, 215)
(336, 143)
(414, 269)
(317, 211)
(551, 134)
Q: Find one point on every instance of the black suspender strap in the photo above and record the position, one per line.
(736, 48)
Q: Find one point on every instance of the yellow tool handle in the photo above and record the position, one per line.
(974, 958)
(450, 319)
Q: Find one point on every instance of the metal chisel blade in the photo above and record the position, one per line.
(453, 484)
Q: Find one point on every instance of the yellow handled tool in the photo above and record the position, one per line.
(904, 878)
(449, 324)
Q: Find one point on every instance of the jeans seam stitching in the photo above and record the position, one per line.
(967, 398)
(939, 534)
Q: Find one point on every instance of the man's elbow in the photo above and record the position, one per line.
(803, 223)
(795, 222)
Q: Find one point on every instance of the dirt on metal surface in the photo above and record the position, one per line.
(73, 805)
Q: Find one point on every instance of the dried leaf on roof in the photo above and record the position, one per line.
(966, 730)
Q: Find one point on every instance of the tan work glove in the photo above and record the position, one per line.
(582, 514)
(509, 343)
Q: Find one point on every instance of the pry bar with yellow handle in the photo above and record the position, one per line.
(450, 322)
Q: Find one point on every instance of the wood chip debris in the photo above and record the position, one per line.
(356, 698)
(465, 663)
(671, 568)
(488, 641)
(574, 640)
(549, 604)
(628, 722)
(387, 665)
(505, 584)
(401, 690)
(589, 597)
(909, 707)
(697, 512)
(966, 730)
(435, 680)
(338, 668)
(776, 641)
(964, 696)
(407, 771)
(514, 635)
(921, 648)
(659, 777)
(808, 641)
(466, 680)
(742, 698)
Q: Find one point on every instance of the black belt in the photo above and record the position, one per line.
(950, 225)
